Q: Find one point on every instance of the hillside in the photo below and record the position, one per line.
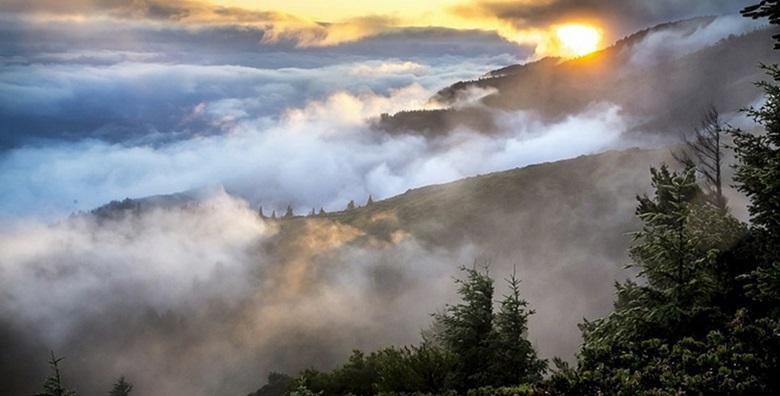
(565, 225)
(665, 91)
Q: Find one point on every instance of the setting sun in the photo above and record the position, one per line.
(578, 39)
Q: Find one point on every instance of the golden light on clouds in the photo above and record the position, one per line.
(578, 39)
(321, 24)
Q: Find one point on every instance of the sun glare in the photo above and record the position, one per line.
(578, 39)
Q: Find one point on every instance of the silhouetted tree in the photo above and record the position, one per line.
(704, 152)
(516, 361)
(54, 386)
(467, 329)
(273, 215)
(766, 9)
(370, 200)
(322, 211)
(260, 211)
(312, 213)
(121, 387)
(289, 213)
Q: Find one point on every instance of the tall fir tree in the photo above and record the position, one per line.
(516, 361)
(467, 330)
(121, 387)
(54, 385)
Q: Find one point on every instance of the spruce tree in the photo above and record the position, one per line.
(289, 213)
(121, 387)
(467, 330)
(54, 386)
(516, 361)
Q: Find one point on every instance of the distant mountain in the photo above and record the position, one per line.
(663, 89)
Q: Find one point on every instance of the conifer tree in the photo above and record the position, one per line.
(370, 200)
(273, 215)
(260, 211)
(312, 213)
(467, 330)
(54, 386)
(516, 361)
(351, 205)
(769, 9)
(289, 213)
(322, 211)
(121, 388)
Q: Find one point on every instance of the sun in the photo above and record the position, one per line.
(578, 39)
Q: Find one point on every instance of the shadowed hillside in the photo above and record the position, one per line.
(665, 91)
(564, 224)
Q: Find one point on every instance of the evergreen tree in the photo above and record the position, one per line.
(54, 386)
(322, 212)
(675, 312)
(351, 205)
(312, 213)
(467, 330)
(121, 387)
(516, 361)
(370, 200)
(766, 9)
(260, 211)
(273, 215)
(289, 212)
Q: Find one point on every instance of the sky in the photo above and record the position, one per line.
(107, 99)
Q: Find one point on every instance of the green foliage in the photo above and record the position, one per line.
(766, 9)
(704, 317)
(423, 369)
(467, 330)
(121, 388)
(54, 386)
(521, 390)
(302, 390)
(515, 359)
(278, 385)
(470, 347)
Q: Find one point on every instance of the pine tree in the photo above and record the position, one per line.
(260, 211)
(289, 212)
(273, 215)
(467, 330)
(322, 211)
(312, 213)
(516, 361)
(758, 176)
(766, 9)
(54, 386)
(121, 388)
(351, 205)
(370, 200)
